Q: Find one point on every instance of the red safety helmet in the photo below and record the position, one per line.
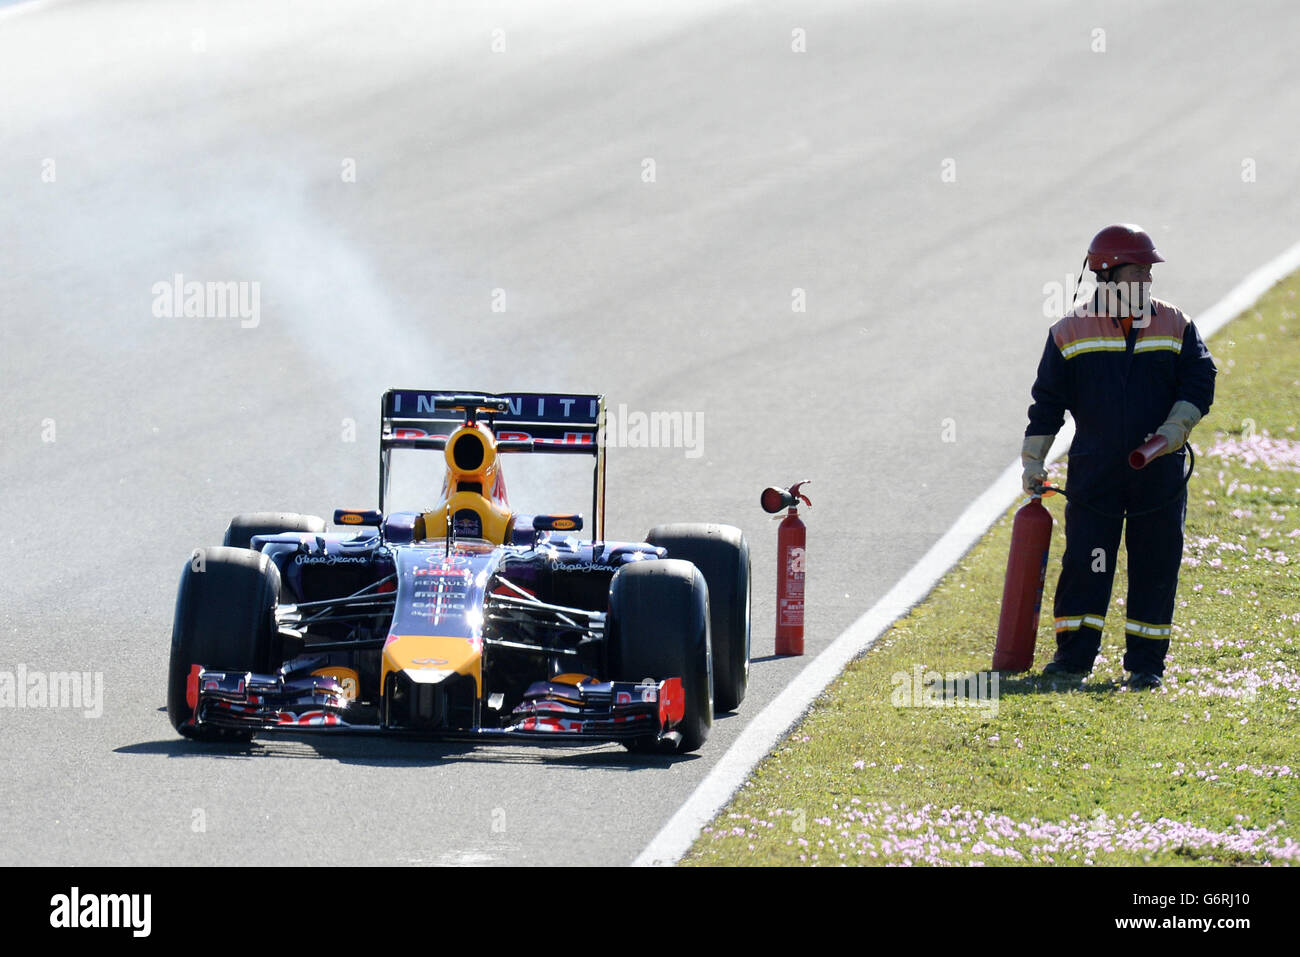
(1121, 244)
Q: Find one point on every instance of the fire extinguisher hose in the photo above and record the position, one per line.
(1187, 476)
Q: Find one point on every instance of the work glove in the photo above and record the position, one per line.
(1182, 418)
(1033, 456)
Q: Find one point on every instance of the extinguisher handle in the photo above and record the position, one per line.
(794, 491)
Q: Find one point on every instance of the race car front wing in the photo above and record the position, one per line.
(571, 708)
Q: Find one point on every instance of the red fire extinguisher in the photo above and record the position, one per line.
(790, 550)
(1022, 592)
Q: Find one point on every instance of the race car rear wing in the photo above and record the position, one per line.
(546, 422)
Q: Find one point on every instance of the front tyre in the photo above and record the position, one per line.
(721, 554)
(658, 628)
(225, 621)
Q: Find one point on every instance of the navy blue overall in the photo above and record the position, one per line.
(1119, 389)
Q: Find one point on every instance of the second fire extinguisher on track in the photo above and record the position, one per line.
(790, 550)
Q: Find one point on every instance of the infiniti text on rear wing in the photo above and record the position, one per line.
(553, 422)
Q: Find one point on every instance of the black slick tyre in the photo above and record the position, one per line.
(242, 528)
(225, 621)
(658, 628)
(721, 554)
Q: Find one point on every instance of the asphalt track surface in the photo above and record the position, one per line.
(148, 139)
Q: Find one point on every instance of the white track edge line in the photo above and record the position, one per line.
(767, 727)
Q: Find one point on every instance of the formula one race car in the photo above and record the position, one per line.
(466, 620)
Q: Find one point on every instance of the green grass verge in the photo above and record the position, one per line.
(1198, 772)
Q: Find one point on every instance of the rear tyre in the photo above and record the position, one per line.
(721, 554)
(658, 628)
(242, 528)
(225, 621)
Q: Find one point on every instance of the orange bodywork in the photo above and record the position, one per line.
(431, 658)
(474, 484)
